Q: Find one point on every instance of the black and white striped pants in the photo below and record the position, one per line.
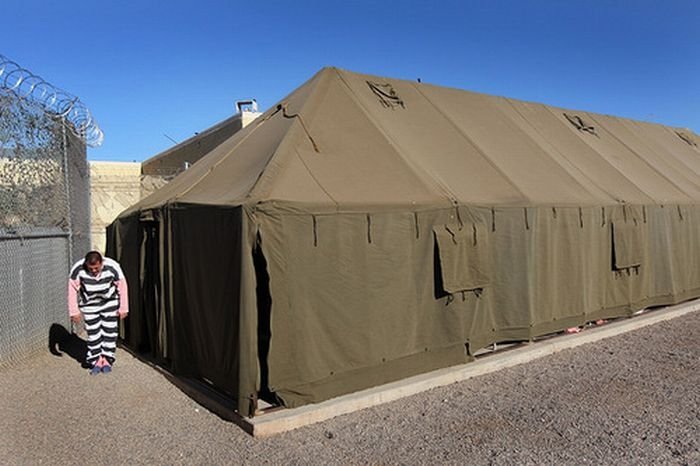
(102, 329)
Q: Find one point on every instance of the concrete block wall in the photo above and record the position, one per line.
(114, 186)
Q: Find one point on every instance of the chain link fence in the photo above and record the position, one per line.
(44, 221)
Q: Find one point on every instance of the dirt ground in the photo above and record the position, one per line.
(631, 399)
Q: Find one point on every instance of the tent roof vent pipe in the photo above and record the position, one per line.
(250, 106)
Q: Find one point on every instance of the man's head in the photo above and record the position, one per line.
(93, 263)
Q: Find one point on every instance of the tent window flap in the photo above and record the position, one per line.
(463, 259)
(628, 247)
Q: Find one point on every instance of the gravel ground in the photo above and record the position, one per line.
(632, 399)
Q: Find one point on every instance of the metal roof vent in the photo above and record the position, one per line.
(250, 106)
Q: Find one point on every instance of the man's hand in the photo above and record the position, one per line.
(75, 318)
(123, 314)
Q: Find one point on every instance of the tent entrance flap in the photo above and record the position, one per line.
(149, 282)
(264, 306)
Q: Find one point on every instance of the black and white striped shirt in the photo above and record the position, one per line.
(97, 293)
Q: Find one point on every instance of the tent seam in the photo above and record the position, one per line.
(555, 149)
(284, 138)
(474, 144)
(301, 159)
(625, 122)
(603, 157)
(445, 191)
(221, 160)
(662, 175)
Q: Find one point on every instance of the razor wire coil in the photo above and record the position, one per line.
(57, 103)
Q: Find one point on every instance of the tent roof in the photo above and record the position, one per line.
(353, 142)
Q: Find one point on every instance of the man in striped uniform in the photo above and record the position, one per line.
(97, 289)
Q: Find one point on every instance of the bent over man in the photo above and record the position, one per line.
(97, 289)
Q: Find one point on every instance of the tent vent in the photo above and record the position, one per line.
(688, 140)
(387, 95)
(580, 125)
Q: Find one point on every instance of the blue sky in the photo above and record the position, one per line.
(148, 68)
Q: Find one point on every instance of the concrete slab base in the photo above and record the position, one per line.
(281, 420)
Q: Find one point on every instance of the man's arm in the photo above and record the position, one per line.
(123, 290)
(73, 310)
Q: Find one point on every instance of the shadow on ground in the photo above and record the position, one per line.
(61, 342)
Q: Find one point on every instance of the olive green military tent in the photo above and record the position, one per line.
(367, 229)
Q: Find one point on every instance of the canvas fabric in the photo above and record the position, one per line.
(367, 229)
(462, 258)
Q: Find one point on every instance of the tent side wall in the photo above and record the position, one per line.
(364, 299)
(192, 294)
(346, 263)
